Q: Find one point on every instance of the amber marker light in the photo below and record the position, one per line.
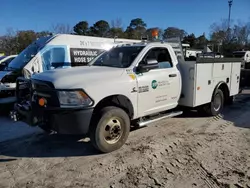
(42, 101)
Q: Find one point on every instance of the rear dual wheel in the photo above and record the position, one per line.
(216, 106)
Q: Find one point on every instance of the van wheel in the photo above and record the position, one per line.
(215, 107)
(111, 130)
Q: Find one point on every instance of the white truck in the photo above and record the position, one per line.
(129, 84)
(50, 52)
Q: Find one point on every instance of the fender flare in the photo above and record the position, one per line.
(217, 87)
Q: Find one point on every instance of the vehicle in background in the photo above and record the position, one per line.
(5, 60)
(245, 68)
(50, 52)
(245, 55)
(210, 55)
(190, 54)
(129, 84)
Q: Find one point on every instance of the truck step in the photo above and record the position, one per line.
(158, 118)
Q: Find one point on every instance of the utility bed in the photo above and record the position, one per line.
(199, 78)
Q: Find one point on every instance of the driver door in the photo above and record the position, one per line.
(158, 89)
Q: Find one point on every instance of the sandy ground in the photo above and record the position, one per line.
(186, 151)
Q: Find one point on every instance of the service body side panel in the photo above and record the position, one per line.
(187, 71)
(235, 78)
(204, 84)
(200, 81)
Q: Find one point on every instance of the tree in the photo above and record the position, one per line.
(190, 39)
(116, 29)
(9, 43)
(172, 32)
(136, 29)
(230, 39)
(81, 28)
(61, 28)
(201, 41)
(241, 33)
(43, 33)
(100, 29)
(25, 38)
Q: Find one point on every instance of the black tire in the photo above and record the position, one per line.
(216, 106)
(110, 130)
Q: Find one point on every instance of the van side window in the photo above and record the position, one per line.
(161, 55)
(53, 57)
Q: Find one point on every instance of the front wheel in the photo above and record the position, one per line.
(111, 129)
(215, 107)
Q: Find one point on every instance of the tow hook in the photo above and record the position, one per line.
(14, 115)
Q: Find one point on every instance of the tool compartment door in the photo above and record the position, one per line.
(203, 83)
(235, 78)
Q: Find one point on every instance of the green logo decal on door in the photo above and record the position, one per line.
(154, 84)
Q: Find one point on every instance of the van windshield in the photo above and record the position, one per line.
(121, 57)
(27, 54)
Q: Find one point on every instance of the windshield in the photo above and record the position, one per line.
(27, 54)
(121, 57)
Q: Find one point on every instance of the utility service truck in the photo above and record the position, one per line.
(51, 52)
(130, 84)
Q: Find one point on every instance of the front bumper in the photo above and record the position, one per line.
(51, 116)
(72, 122)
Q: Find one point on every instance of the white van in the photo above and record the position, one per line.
(50, 52)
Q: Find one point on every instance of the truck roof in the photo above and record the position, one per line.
(175, 45)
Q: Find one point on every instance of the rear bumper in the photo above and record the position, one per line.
(72, 122)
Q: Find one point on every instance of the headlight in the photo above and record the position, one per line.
(74, 99)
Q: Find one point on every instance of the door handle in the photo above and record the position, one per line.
(172, 75)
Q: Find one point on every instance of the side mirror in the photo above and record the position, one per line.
(148, 65)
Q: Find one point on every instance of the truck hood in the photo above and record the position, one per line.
(78, 76)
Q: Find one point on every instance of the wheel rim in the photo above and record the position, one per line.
(113, 131)
(217, 102)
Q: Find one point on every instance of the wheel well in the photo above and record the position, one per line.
(224, 88)
(120, 101)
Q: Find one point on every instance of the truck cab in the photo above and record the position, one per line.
(135, 83)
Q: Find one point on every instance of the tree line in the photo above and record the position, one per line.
(221, 38)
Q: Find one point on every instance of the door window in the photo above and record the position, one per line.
(161, 55)
(54, 57)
